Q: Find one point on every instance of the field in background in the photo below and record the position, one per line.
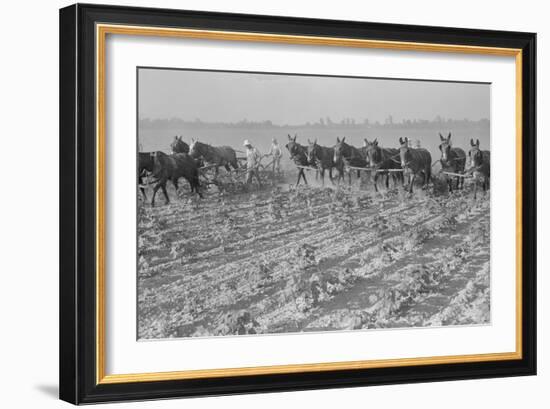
(311, 259)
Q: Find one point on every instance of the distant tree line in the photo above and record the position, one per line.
(346, 123)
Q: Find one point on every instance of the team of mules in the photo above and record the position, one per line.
(405, 162)
(163, 167)
(214, 156)
(184, 161)
(415, 164)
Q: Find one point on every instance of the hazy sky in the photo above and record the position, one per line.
(287, 99)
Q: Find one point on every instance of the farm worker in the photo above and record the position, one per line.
(276, 152)
(253, 157)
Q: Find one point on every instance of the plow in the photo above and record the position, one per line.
(235, 180)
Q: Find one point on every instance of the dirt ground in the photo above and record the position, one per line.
(285, 259)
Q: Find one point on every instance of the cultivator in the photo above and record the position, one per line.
(235, 180)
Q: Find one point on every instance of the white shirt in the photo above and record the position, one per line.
(253, 157)
(275, 150)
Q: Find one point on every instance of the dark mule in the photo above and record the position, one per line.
(480, 166)
(214, 155)
(322, 158)
(178, 146)
(349, 156)
(380, 159)
(298, 154)
(415, 161)
(145, 165)
(452, 160)
(172, 167)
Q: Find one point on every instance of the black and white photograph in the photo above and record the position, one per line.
(280, 203)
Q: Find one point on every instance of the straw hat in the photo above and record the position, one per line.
(246, 142)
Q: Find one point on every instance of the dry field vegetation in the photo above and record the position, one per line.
(287, 259)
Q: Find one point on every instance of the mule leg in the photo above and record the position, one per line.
(198, 188)
(165, 193)
(396, 177)
(427, 176)
(330, 175)
(142, 189)
(322, 173)
(376, 181)
(154, 194)
(160, 184)
(411, 182)
(300, 173)
(195, 184)
(340, 173)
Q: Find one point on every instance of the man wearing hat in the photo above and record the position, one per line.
(253, 157)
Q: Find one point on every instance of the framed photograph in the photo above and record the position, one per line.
(258, 203)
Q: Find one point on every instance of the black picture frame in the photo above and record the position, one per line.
(78, 360)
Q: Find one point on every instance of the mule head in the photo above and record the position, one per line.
(292, 146)
(445, 146)
(371, 151)
(404, 151)
(194, 148)
(338, 149)
(179, 146)
(475, 155)
(173, 144)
